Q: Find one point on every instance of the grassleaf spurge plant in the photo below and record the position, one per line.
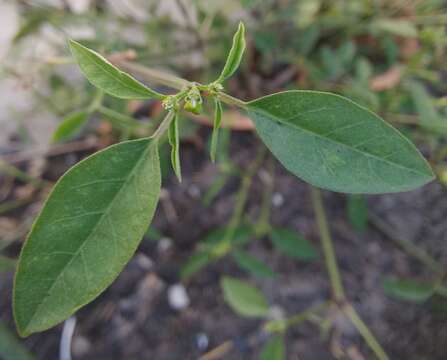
(97, 213)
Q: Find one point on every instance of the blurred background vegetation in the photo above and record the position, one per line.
(387, 55)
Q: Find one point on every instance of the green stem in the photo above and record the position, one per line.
(334, 275)
(242, 195)
(407, 246)
(328, 248)
(230, 100)
(164, 125)
(307, 314)
(263, 224)
(361, 327)
(172, 81)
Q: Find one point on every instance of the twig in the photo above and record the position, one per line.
(219, 351)
(334, 276)
(328, 248)
(59, 149)
(367, 335)
(406, 245)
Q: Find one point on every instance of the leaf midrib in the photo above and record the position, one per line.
(103, 216)
(282, 121)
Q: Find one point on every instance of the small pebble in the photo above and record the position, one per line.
(202, 341)
(177, 297)
(277, 200)
(164, 244)
(194, 191)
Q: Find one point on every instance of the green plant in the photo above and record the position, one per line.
(97, 213)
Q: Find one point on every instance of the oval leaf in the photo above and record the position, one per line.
(333, 143)
(408, 290)
(243, 298)
(252, 265)
(293, 244)
(85, 234)
(70, 126)
(274, 349)
(235, 55)
(107, 77)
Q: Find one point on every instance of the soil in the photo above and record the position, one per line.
(133, 319)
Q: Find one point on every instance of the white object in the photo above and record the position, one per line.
(177, 297)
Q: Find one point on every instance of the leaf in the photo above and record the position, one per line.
(333, 143)
(70, 126)
(101, 73)
(235, 55)
(10, 347)
(242, 235)
(213, 248)
(153, 234)
(6, 264)
(408, 290)
(274, 349)
(290, 243)
(195, 263)
(252, 265)
(357, 212)
(87, 231)
(397, 27)
(174, 141)
(215, 134)
(429, 116)
(243, 298)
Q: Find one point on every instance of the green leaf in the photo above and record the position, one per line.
(87, 231)
(274, 349)
(291, 243)
(333, 143)
(10, 346)
(357, 212)
(153, 234)
(195, 263)
(429, 116)
(215, 134)
(70, 126)
(397, 27)
(101, 73)
(252, 265)
(243, 298)
(213, 248)
(6, 264)
(408, 290)
(174, 141)
(242, 236)
(235, 55)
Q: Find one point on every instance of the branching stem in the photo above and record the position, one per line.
(335, 279)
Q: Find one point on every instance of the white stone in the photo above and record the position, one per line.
(177, 297)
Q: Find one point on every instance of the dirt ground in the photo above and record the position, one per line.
(133, 319)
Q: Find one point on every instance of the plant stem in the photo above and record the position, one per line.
(164, 125)
(154, 76)
(230, 100)
(335, 279)
(242, 195)
(361, 327)
(407, 246)
(170, 80)
(328, 248)
(263, 224)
